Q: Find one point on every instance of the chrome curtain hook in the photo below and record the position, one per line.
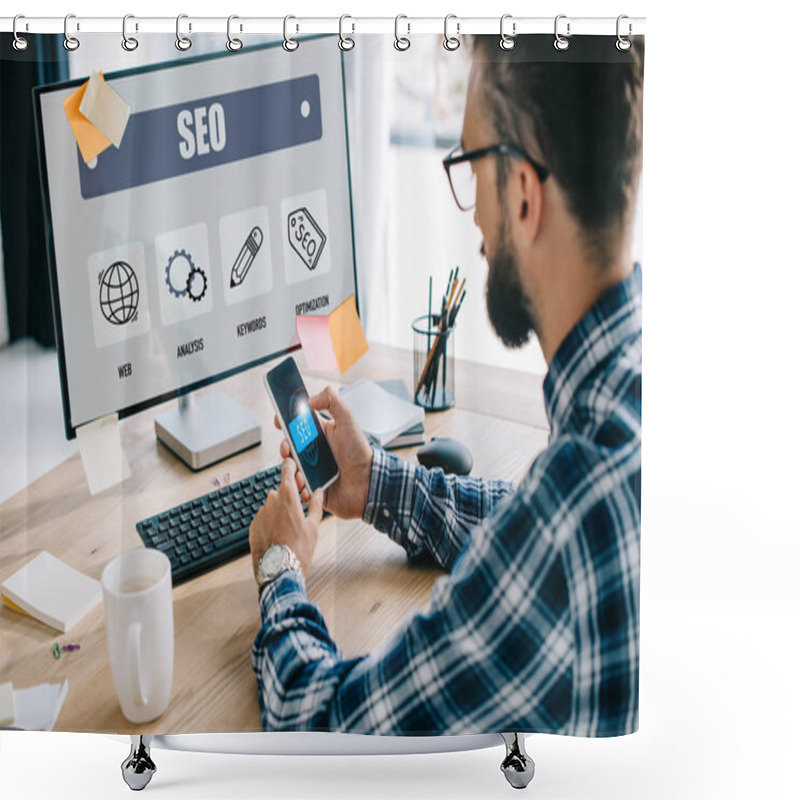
(20, 43)
(345, 42)
(401, 43)
(289, 44)
(233, 44)
(71, 42)
(623, 43)
(561, 43)
(129, 43)
(507, 42)
(182, 42)
(451, 43)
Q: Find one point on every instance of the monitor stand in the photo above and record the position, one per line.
(207, 428)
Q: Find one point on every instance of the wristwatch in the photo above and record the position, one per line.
(276, 559)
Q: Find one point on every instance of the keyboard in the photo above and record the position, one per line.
(204, 533)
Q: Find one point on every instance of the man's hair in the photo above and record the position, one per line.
(582, 118)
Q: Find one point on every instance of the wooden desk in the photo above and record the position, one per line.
(360, 579)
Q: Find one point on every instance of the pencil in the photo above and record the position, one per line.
(425, 378)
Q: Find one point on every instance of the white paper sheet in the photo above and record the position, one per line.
(38, 707)
(103, 458)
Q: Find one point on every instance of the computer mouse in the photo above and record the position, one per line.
(452, 456)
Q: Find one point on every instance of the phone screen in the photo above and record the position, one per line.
(305, 431)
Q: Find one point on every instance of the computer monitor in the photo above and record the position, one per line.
(184, 255)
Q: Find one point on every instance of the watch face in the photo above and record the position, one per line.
(271, 562)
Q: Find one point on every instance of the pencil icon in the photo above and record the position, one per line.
(251, 246)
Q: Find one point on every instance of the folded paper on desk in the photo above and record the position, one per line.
(37, 707)
(51, 591)
(380, 413)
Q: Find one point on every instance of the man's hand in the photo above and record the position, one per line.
(347, 496)
(280, 521)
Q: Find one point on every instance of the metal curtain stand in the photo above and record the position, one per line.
(138, 768)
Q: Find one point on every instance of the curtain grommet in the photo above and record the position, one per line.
(183, 43)
(233, 44)
(346, 43)
(129, 43)
(561, 43)
(507, 42)
(289, 44)
(71, 43)
(451, 43)
(401, 43)
(20, 43)
(623, 43)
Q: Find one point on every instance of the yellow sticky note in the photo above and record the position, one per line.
(333, 342)
(90, 141)
(105, 109)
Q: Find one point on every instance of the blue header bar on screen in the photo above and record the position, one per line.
(166, 142)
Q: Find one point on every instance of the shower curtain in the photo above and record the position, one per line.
(210, 210)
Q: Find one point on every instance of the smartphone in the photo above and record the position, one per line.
(301, 426)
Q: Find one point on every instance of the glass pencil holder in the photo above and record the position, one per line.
(434, 365)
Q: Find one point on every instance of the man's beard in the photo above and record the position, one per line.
(506, 304)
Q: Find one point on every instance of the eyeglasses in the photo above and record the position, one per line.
(459, 171)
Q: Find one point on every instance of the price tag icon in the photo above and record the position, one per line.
(306, 237)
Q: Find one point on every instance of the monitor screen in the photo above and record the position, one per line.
(185, 254)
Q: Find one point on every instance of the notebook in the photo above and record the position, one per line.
(416, 433)
(380, 413)
(51, 591)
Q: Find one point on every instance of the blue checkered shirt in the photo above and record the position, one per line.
(536, 628)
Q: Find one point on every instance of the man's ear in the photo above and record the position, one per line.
(526, 196)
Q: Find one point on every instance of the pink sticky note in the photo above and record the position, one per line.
(315, 337)
(333, 343)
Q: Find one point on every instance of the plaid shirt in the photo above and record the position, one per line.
(536, 628)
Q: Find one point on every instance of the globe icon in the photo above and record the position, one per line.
(119, 293)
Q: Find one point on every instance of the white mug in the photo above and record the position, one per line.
(137, 597)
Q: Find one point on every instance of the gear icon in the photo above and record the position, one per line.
(180, 269)
(197, 284)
